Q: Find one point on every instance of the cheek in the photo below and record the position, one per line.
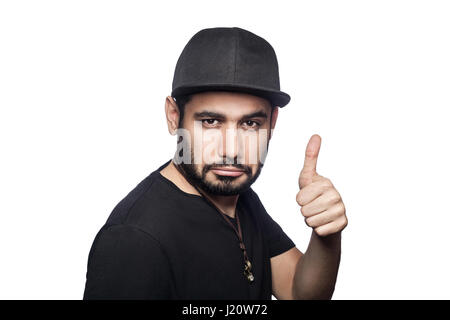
(254, 146)
(210, 145)
(205, 146)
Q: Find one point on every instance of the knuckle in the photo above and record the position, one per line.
(301, 198)
(319, 231)
(345, 223)
(298, 198)
(341, 207)
(334, 196)
(304, 181)
(310, 154)
(303, 211)
(311, 222)
(327, 182)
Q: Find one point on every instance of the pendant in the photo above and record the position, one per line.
(247, 271)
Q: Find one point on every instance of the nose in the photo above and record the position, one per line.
(230, 144)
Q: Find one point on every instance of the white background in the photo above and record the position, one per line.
(82, 90)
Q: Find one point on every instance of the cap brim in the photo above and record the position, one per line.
(276, 97)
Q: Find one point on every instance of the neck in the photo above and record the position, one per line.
(227, 204)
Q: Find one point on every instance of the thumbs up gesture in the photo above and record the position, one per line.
(320, 202)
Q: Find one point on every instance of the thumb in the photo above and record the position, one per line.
(310, 163)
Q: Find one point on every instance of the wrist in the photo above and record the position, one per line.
(330, 240)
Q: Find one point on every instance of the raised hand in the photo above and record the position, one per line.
(321, 204)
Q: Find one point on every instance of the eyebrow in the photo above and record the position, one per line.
(257, 114)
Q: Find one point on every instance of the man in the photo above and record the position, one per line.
(194, 228)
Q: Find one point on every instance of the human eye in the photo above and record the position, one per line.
(251, 124)
(210, 122)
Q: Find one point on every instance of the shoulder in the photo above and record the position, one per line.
(144, 207)
(122, 239)
(123, 209)
(158, 208)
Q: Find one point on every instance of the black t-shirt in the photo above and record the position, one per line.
(163, 243)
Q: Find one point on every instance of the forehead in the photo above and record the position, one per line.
(232, 104)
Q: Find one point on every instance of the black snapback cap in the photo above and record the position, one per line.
(229, 59)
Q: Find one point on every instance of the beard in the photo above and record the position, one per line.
(224, 185)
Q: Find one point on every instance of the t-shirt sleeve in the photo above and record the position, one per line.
(127, 263)
(278, 241)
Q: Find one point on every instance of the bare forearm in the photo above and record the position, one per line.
(316, 271)
(324, 211)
